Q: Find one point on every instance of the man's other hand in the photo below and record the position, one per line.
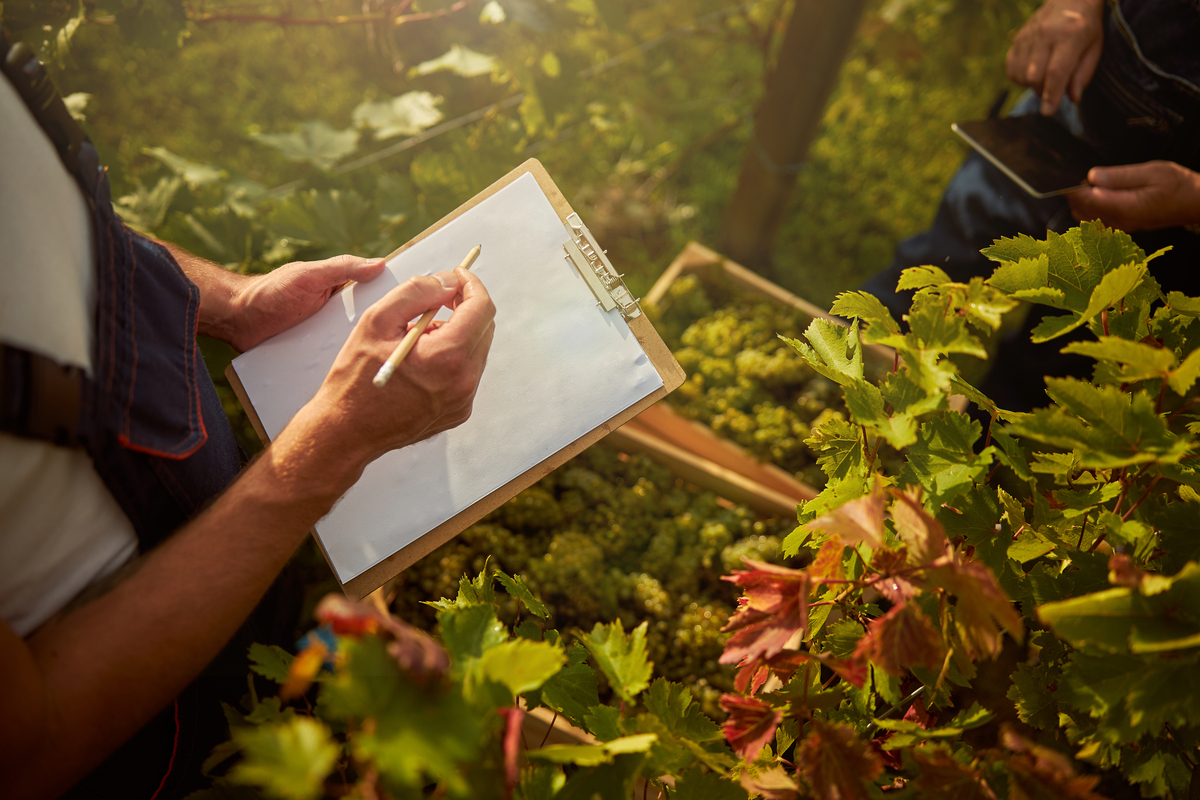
(272, 303)
(433, 389)
(1139, 197)
(1057, 50)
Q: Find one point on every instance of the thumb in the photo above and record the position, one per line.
(340, 269)
(1130, 176)
(421, 293)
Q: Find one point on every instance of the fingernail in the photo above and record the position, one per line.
(1097, 177)
(448, 280)
(1047, 109)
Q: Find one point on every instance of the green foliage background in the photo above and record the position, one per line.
(647, 148)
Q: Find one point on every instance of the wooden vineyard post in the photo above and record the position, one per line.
(785, 124)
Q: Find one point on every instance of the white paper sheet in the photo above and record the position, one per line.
(558, 368)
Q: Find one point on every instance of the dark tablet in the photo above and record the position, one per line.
(1035, 151)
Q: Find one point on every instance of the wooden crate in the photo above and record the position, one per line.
(691, 449)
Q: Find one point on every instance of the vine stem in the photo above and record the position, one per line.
(1145, 494)
(1104, 320)
(553, 720)
(342, 19)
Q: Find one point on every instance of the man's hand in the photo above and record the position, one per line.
(246, 310)
(1139, 197)
(432, 391)
(1057, 50)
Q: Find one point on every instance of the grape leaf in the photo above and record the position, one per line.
(944, 778)
(771, 784)
(839, 449)
(921, 533)
(470, 631)
(696, 784)
(603, 722)
(516, 586)
(1181, 303)
(458, 59)
(621, 657)
(521, 665)
(1109, 427)
(1022, 274)
(1021, 246)
(866, 307)
(673, 704)
(832, 350)
(288, 759)
(406, 115)
(837, 764)
(590, 755)
(750, 725)
(540, 782)
(271, 661)
(982, 610)
(1124, 620)
(1032, 697)
(1139, 361)
(1111, 289)
(572, 691)
(944, 460)
(1104, 248)
(943, 333)
(1185, 375)
(316, 141)
(858, 521)
(193, 173)
(903, 637)
(773, 610)
(921, 277)
(1040, 773)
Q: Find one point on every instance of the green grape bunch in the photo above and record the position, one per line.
(743, 381)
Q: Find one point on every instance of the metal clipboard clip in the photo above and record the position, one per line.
(603, 279)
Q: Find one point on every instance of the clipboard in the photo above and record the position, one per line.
(582, 271)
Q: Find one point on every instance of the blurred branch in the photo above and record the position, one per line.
(203, 18)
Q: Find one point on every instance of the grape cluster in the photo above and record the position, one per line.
(609, 536)
(743, 381)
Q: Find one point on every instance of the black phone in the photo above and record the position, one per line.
(1036, 152)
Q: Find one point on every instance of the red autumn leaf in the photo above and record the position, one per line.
(513, 717)
(892, 568)
(924, 535)
(828, 562)
(836, 763)
(917, 713)
(902, 638)
(943, 778)
(982, 607)
(771, 784)
(858, 521)
(1039, 773)
(753, 672)
(750, 725)
(772, 611)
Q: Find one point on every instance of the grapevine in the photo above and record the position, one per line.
(608, 536)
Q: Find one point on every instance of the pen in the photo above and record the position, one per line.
(385, 371)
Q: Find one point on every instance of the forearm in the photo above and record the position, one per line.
(220, 290)
(103, 670)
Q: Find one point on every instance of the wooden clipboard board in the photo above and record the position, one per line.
(660, 356)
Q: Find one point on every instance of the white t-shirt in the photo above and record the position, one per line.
(60, 528)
